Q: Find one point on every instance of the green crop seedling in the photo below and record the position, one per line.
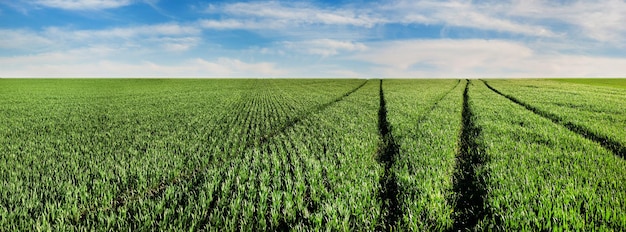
(312, 155)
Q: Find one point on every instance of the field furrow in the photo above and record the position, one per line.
(387, 154)
(469, 185)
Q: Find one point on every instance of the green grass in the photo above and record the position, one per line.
(310, 155)
(597, 112)
(609, 82)
(426, 124)
(78, 147)
(303, 177)
(542, 176)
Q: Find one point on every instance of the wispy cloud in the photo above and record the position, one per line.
(292, 20)
(83, 4)
(39, 66)
(178, 44)
(25, 40)
(469, 14)
(227, 24)
(397, 38)
(482, 58)
(601, 20)
(171, 36)
(77, 56)
(258, 15)
(456, 56)
(167, 29)
(297, 13)
(324, 47)
(598, 20)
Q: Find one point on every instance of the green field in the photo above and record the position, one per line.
(609, 82)
(310, 155)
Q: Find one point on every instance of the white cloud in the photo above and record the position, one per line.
(117, 52)
(169, 36)
(273, 15)
(23, 40)
(408, 58)
(325, 47)
(58, 57)
(481, 58)
(345, 73)
(222, 24)
(239, 24)
(302, 13)
(83, 4)
(292, 20)
(40, 66)
(238, 68)
(601, 20)
(547, 38)
(448, 54)
(178, 44)
(166, 29)
(461, 14)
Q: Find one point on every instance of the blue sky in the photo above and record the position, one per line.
(368, 39)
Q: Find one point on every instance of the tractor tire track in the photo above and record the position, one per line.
(469, 206)
(614, 146)
(387, 153)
